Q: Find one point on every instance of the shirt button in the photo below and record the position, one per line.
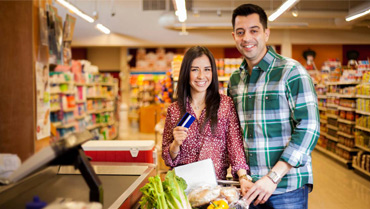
(250, 97)
(267, 97)
(250, 154)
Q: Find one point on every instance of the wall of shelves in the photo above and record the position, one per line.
(87, 103)
(345, 123)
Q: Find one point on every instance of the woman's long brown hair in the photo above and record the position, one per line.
(212, 95)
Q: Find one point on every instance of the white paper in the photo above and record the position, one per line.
(197, 174)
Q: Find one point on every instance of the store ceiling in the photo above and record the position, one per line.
(151, 21)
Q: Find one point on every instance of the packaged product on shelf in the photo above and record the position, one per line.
(350, 115)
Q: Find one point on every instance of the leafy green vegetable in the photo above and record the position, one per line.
(174, 187)
(153, 195)
(169, 195)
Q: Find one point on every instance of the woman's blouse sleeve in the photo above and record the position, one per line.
(168, 138)
(235, 141)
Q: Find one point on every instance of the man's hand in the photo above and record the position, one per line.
(260, 191)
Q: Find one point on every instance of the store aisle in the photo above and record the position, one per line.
(336, 187)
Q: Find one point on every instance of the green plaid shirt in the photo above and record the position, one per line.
(277, 109)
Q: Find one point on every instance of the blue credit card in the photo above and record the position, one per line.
(186, 120)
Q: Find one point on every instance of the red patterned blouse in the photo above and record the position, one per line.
(224, 148)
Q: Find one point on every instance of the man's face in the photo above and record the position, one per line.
(250, 37)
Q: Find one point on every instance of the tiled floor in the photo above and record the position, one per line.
(335, 187)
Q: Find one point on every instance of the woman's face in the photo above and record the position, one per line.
(200, 74)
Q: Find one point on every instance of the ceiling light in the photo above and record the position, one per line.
(181, 10)
(358, 11)
(75, 10)
(284, 7)
(102, 28)
(295, 12)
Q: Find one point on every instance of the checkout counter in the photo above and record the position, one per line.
(114, 184)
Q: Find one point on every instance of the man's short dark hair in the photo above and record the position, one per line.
(247, 9)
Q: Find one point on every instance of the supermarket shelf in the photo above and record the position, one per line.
(362, 112)
(91, 127)
(55, 92)
(363, 96)
(321, 96)
(80, 84)
(331, 127)
(69, 109)
(331, 116)
(363, 128)
(332, 95)
(345, 135)
(54, 109)
(69, 125)
(80, 101)
(362, 171)
(334, 156)
(347, 148)
(107, 124)
(347, 96)
(100, 111)
(331, 137)
(107, 84)
(80, 117)
(323, 121)
(57, 124)
(320, 85)
(349, 122)
(367, 149)
(61, 82)
(322, 108)
(109, 98)
(96, 97)
(343, 83)
(346, 108)
(332, 105)
(67, 92)
(323, 134)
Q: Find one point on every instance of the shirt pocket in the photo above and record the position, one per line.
(271, 101)
(269, 104)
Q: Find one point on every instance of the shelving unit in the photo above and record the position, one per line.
(361, 162)
(84, 104)
(333, 156)
(337, 131)
(345, 122)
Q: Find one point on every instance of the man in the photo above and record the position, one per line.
(277, 108)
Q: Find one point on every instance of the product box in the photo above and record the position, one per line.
(120, 151)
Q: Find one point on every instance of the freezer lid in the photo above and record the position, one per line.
(119, 145)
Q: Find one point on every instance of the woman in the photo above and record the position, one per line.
(215, 133)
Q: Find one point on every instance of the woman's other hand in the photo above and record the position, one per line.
(245, 185)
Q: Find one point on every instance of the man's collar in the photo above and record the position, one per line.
(264, 63)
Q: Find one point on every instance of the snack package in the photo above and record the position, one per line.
(231, 194)
(203, 195)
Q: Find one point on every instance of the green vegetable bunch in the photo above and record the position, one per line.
(169, 195)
